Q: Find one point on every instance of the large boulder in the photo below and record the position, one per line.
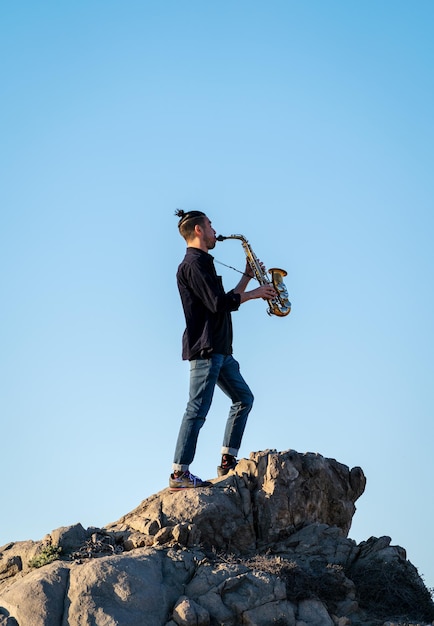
(265, 499)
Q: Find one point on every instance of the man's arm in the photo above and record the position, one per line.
(266, 292)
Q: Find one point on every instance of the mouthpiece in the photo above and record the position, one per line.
(221, 238)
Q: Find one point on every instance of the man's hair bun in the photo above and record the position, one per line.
(184, 216)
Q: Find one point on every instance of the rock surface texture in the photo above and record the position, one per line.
(265, 545)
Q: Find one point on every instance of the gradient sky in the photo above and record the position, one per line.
(305, 126)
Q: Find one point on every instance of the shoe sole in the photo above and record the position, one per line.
(189, 487)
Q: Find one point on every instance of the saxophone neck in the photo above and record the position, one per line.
(240, 237)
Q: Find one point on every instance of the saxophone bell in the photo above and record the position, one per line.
(281, 305)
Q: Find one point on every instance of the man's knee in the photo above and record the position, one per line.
(249, 399)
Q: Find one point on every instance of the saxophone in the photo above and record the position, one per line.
(280, 305)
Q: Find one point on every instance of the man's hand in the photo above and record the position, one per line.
(266, 292)
(249, 272)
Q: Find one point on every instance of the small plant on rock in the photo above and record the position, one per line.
(47, 555)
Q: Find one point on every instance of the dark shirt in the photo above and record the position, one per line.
(207, 308)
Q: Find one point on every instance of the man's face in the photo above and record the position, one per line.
(209, 234)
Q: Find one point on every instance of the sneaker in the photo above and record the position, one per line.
(229, 463)
(186, 481)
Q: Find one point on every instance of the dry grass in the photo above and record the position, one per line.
(389, 590)
(386, 591)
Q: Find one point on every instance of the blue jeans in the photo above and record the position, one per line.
(205, 374)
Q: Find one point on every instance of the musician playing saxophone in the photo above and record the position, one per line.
(207, 345)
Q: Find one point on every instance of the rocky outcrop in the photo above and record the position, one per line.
(266, 499)
(267, 544)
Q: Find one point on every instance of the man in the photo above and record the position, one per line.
(207, 344)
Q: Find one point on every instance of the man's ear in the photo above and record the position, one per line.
(198, 230)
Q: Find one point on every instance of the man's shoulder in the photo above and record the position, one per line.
(196, 265)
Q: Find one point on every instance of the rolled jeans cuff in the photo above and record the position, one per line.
(176, 467)
(231, 451)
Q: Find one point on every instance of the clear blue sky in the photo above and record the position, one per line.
(305, 126)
